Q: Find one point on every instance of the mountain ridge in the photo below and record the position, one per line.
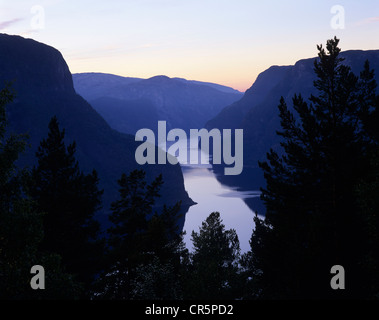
(258, 115)
(184, 104)
(44, 88)
(257, 112)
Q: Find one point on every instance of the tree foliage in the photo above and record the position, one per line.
(313, 219)
(213, 271)
(21, 228)
(69, 199)
(144, 246)
(321, 198)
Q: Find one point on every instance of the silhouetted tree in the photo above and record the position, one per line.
(214, 271)
(159, 275)
(21, 229)
(313, 219)
(144, 246)
(69, 198)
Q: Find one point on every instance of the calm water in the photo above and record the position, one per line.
(210, 195)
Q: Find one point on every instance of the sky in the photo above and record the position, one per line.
(222, 41)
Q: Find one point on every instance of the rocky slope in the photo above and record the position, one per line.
(44, 88)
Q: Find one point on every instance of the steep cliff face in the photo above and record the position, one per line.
(44, 88)
(257, 112)
(258, 115)
(232, 116)
(23, 60)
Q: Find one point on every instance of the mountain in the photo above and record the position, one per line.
(44, 88)
(216, 86)
(257, 111)
(96, 85)
(129, 104)
(232, 116)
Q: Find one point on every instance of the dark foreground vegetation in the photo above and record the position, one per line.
(321, 198)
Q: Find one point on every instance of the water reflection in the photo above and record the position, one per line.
(209, 189)
(210, 195)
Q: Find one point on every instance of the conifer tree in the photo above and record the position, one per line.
(214, 272)
(21, 230)
(160, 276)
(69, 198)
(313, 219)
(144, 246)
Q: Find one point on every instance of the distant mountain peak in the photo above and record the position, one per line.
(161, 80)
(159, 77)
(132, 105)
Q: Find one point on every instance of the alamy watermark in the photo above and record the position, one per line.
(37, 21)
(37, 281)
(338, 281)
(221, 152)
(338, 19)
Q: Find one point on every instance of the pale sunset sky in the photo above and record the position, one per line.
(223, 41)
